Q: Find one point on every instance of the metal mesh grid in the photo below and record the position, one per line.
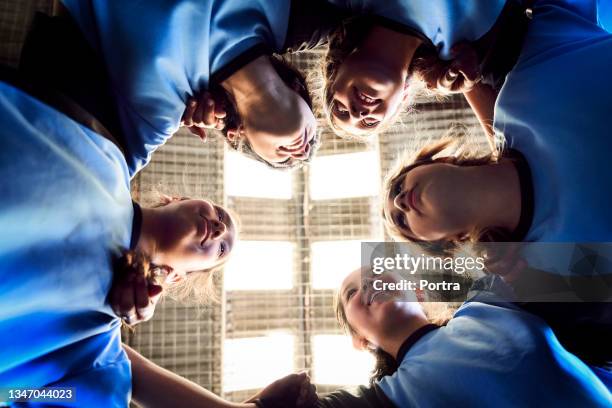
(188, 339)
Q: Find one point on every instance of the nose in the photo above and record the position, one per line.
(400, 202)
(302, 154)
(359, 112)
(218, 229)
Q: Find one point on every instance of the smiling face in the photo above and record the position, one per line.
(431, 202)
(365, 94)
(194, 235)
(372, 315)
(277, 146)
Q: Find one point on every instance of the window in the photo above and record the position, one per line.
(332, 261)
(260, 265)
(248, 178)
(336, 361)
(345, 175)
(255, 362)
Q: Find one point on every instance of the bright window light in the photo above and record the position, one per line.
(249, 178)
(345, 175)
(255, 362)
(332, 261)
(337, 362)
(260, 265)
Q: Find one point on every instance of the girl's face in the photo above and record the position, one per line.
(375, 315)
(196, 235)
(365, 94)
(280, 135)
(431, 202)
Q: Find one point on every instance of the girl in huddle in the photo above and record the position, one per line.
(548, 182)
(372, 59)
(468, 47)
(63, 224)
(153, 59)
(488, 353)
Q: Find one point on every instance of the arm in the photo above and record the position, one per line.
(360, 397)
(154, 386)
(482, 101)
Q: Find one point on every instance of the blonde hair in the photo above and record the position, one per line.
(450, 150)
(439, 313)
(426, 75)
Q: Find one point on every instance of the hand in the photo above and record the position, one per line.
(462, 73)
(505, 260)
(203, 112)
(133, 296)
(294, 390)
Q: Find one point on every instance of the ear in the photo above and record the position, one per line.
(174, 277)
(360, 342)
(233, 135)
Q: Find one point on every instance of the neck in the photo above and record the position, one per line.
(392, 49)
(498, 189)
(254, 82)
(393, 341)
(150, 226)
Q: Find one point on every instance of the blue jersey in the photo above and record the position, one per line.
(493, 354)
(555, 109)
(443, 22)
(65, 209)
(159, 53)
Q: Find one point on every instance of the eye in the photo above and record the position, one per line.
(285, 163)
(222, 249)
(398, 189)
(339, 109)
(401, 221)
(369, 124)
(350, 293)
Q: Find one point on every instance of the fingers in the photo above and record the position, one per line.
(209, 114)
(307, 394)
(506, 261)
(187, 119)
(141, 295)
(199, 132)
(132, 297)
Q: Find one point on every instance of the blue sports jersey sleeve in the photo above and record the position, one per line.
(66, 209)
(443, 22)
(493, 354)
(555, 108)
(159, 53)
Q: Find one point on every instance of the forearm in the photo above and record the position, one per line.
(360, 397)
(154, 386)
(481, 99)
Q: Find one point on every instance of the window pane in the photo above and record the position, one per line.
(249, 178)
(255, 362)
(337, 362)
(332, 261)
(345, 175)
(260, 265)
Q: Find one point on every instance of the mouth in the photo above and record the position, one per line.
(365, 99)
(380, 296)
